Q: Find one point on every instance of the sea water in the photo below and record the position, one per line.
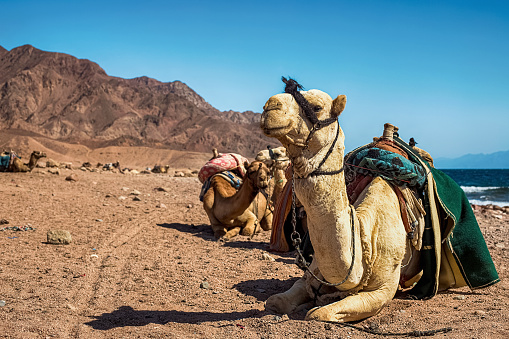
(483, 186)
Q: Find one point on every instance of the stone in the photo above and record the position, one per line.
(205, 285)
(162, 189)
(161, 205)
(136, 198)
(459, 297)
(72, 177)
(59, 237)
(266, 256)
(135, 192)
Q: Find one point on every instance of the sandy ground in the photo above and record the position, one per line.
(150, 268)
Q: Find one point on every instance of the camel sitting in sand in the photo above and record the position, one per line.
(358, 248)
(160, 169)
(231, 211)
(277, 161)
(18, 166)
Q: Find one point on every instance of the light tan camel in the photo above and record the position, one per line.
(18, 166)
(231, 211)
(277, 161)
(359, 247)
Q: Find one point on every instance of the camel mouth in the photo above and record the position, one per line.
(275, 130)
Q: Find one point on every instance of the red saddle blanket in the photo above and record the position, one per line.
(225, 162)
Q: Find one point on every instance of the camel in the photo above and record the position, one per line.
(18, 166)
(232, 211)
(160, 169)
(358, 248)
(277, 161)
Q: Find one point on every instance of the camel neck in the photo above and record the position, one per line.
(325, 200)
(32, 162)
(241, 200)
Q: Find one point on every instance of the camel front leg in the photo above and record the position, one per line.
(266, 221)
(250, 221)
(289, 301)
(358, 306)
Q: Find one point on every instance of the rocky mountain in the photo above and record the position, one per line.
(73, 100)
(475, 161)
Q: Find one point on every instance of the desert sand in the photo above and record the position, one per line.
(143, 263)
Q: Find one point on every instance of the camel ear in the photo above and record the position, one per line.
(338, 105)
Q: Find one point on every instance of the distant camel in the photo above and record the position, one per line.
(231, 211)
(18, 166)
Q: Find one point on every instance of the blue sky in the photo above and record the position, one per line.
(439, 70)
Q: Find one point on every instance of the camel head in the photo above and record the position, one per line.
(274, 157)
(38, 154)
(258, 173)
(291, 116)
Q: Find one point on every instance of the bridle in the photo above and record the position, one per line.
(292, 87)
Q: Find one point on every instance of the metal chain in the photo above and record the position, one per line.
(296, 241)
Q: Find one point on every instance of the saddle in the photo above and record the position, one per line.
(436, 213)
(234, 180)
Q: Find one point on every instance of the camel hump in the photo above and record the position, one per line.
(225, 162)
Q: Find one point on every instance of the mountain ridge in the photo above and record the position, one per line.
(496, 160)
(65, 98)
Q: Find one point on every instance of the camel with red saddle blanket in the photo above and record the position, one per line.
(233, 195)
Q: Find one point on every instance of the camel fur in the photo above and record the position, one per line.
(277, 161)
(232, 211)
(18, 166)
(379, 235)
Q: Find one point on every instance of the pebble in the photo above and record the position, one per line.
(99, 220)
(72, 177)
(125, 188)
(189, 206)
(266, 256)
(136, 198)
(121, 197)
(59, 237)
(2, 303)
(135, 192)
(459, 297)
(205, 285)
(480, 313)
(162, 189)
(161, 205)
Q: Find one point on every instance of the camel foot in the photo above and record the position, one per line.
(249, 230)
(289, 301)
(279, 304)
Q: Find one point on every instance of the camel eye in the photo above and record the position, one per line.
(317, 108)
